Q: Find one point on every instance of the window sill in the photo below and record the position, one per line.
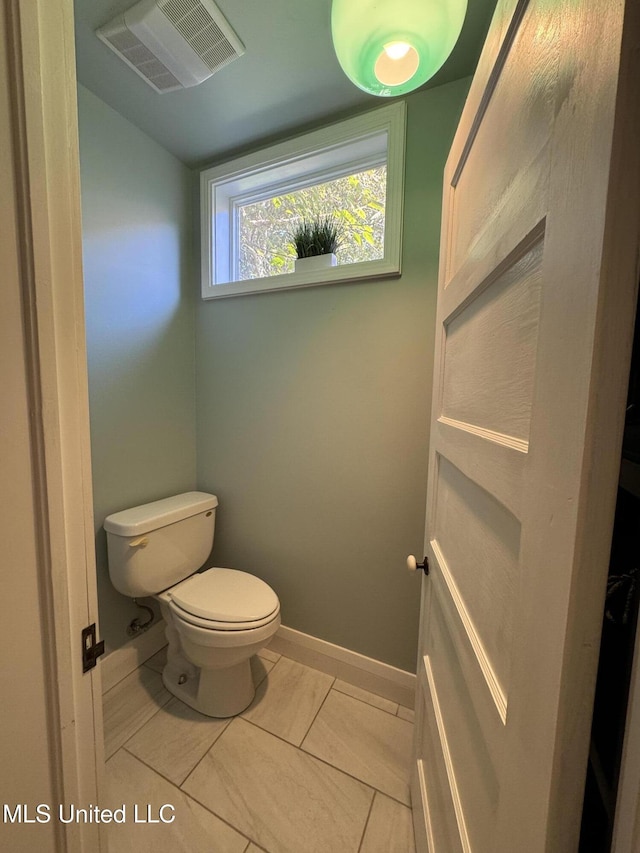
(366, 270)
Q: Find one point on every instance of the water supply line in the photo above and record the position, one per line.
(136, 626)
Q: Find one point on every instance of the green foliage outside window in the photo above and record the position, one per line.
(356, 201)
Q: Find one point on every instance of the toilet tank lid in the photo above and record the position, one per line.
(151, 516)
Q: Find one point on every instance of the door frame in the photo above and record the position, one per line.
(626, 828)
(622, 264)
(43, 120)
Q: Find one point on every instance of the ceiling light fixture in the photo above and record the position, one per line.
(391, 47)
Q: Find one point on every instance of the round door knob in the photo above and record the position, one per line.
(413, 565)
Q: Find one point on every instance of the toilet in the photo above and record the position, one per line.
(216, 620)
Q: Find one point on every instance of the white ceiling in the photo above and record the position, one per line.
(288, 79)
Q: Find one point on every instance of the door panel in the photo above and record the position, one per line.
(523, 445)
(476, 544)
(439, 830)
(512, 130)
(490, 351)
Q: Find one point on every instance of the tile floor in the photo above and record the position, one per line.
(314, 764)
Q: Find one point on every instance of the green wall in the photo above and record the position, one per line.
(311, 406)
(312, 425)
(139, 303)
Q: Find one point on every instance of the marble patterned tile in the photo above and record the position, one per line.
(288, 700)
(366, 696)
(390, 828)
(278, 796)
(406, 714)
(175, 739)
(365, 742)
(129, 704)
(194, 828)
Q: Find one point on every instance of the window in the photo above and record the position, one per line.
(358, 203)
(352, 170)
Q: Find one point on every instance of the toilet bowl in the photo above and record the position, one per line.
(216, 620)
(221, 648)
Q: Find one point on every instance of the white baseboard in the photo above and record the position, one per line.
(120, 662)
(380, 678)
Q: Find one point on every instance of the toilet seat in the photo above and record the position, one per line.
(213, 625)
(223, 600)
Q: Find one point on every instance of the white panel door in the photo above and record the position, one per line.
(535, 319)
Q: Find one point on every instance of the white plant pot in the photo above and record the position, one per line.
(316, 262)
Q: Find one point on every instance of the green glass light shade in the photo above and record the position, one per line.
(390, 47)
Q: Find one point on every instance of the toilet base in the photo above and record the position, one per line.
(224, 690)
(213, 692)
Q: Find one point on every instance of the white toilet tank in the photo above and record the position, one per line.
(156, 545)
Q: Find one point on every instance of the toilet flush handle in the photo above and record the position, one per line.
(139, 542)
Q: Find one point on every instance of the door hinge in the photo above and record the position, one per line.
(91, 650)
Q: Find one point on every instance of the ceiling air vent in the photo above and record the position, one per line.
(173, 44)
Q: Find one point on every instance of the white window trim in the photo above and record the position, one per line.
(259, 175)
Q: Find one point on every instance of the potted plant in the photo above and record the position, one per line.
(315, 242)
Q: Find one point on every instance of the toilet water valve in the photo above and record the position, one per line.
(137, 626)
